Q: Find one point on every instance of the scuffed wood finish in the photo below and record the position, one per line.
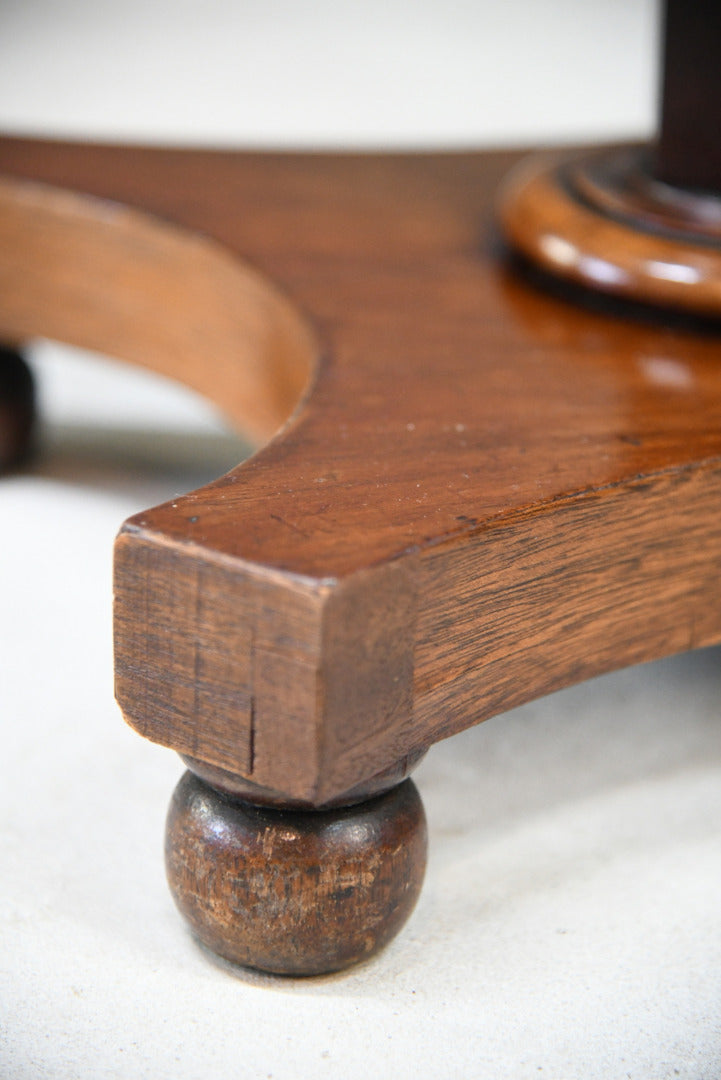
(294, 893)
(489, 491)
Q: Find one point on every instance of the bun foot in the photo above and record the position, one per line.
(17, 407)
(294, 892)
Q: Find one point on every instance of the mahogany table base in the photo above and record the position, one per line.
(481, 491)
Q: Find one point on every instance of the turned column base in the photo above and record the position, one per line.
(17, 407)
(294, 892)
(603, 221)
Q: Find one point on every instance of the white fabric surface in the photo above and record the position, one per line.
(569, 926)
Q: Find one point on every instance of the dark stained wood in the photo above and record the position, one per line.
(289, 892)
(488, 492)
(17, 408)
(689, 149)
(237, 787)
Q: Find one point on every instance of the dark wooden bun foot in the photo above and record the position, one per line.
(294, 892)
(17, 407)
(604, 221)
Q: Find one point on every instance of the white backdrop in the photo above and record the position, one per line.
(329, 72)
(569, 926)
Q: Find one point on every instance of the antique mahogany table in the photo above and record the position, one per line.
(475, 485)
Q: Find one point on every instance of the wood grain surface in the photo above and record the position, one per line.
(488, 489)
(290, 892)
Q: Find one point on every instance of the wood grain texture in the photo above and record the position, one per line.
(289, 892)
(490, 491)
(99, 275)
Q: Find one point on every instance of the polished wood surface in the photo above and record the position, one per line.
(489, 491)
(604, 221)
